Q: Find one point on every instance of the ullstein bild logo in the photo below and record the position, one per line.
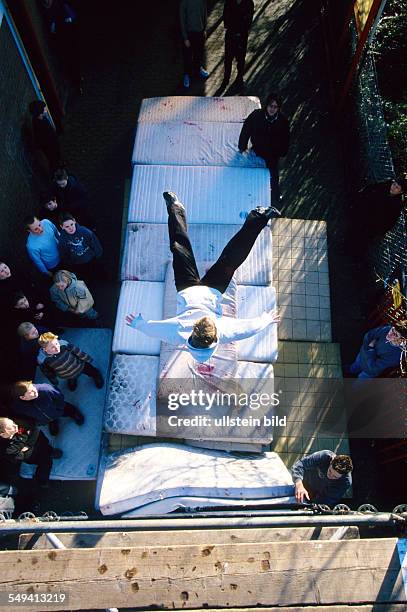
(202, 399)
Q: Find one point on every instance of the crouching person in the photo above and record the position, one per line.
(44, 404)
(21, 441)
(61, 359)
(72, 295)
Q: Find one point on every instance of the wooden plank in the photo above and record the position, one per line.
(374, 608)
(267, 574)
(188, 536)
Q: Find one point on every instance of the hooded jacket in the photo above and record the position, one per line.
(194, 303)
(75, 294)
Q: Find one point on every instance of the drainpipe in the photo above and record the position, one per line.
(17, 9)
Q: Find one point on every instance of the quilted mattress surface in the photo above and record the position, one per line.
(136, 297)
(147, 252)
(211, 194)
(251, 302)
(192, 143)
(135, 477)
(197, 108)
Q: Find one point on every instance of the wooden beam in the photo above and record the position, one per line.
(228, 575)
(189, 536)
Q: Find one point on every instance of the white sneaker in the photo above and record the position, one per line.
(203, 73)
(186, 81)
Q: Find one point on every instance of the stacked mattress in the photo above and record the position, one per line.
(187, 145)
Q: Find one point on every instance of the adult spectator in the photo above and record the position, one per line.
(69, 194)
(44, 133)
(72, 295)
(237, 19)
(199, 324)
(61, 359)
(43, 404)
(193, 18)
(79, 247)
(20, 441)
(269, 132)
(379, 205)
(322, 478)
(42, 244)
(382, 348)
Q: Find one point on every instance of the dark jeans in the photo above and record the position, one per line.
(235, 48)
(90, 371)
(193, 55)
(233, 255)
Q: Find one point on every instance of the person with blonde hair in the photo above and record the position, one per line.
(61, 359)
(72, 295)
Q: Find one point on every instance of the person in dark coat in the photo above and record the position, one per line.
(11, 282)
(79, 248)
(322, 478)
(383, 348)
(70, 196)
(380, 205)
(44, 404)
(193, 20)
(20, 441)
(269, 132)
(237, 18)
(44, 133)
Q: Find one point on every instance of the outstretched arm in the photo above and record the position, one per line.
(239, 329)
(166, 330)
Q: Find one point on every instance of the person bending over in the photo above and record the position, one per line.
(199, 324)
(322, 478)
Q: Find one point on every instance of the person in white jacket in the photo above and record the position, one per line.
(199, 324)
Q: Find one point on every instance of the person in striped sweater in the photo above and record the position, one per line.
(61, 359)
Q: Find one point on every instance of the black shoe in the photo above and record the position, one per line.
(270, 212)
(72, 384)
(98, 380)
(171, 198)
(53, 427)
(78, 417)
(56, 453)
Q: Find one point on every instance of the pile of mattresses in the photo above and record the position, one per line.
(188, 145)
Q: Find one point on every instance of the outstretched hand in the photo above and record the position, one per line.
(130, 318)
(275, 315)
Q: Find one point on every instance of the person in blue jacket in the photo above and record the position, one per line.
(382, 348)
(322, 478)
(79, 247)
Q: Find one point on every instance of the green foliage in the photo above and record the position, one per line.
(396, 116)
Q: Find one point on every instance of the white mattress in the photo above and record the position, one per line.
(192, 143)
(80, 445)
(138, 297)
(131, 401)
(195, 108)
(134, 477)
(252, 302)
(204, 190)
(185, 503)
(147, 252)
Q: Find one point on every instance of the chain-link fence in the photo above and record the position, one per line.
(373, 163)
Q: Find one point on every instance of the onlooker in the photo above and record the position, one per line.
(11, 283)
(42, 244)
(193, 17)
(49, 209)
(269, 132)
(72, 295)
(61, 359)
(44, 404)
(382, 348)
(45, 136)
(379, 205)
(22, 441)
(24, 309)
(69, 194)
(322, 477)
(237, 18)
(29, 348)
(79, 247)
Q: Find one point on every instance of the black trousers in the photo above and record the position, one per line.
(235, 48)
(41, 457)
(193, 55)
(90, 371)
(233, 255)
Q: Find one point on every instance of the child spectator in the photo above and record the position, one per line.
(11, 283)
(29, 348)
(42, 244)
(49, 209)
(23, 309)
(61, 359)
(72, 295)
(79, 247)
(44, 404)
(70, 195)
(21, 441)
